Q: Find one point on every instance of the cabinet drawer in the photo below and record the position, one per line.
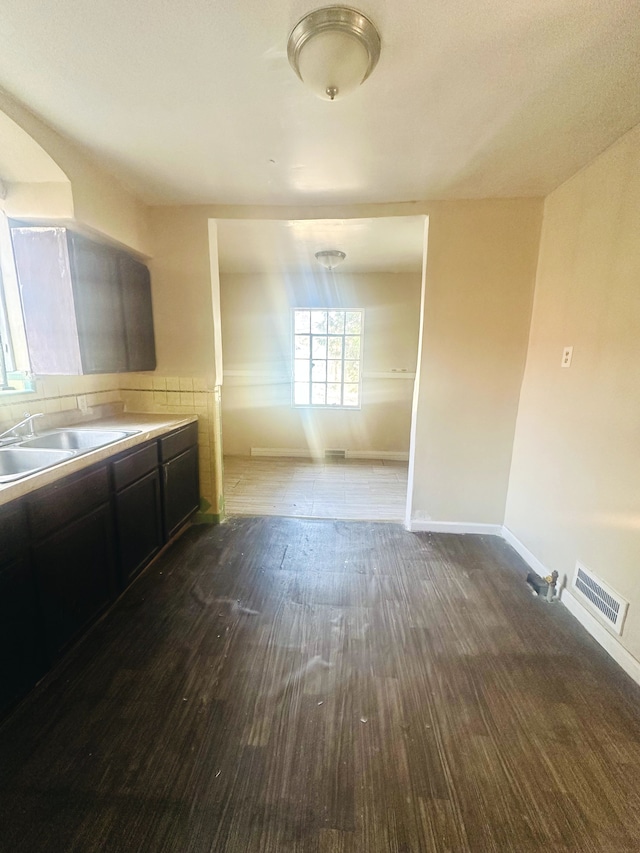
(179, 441)
(135, 465)
(53, 507)
(13, 532)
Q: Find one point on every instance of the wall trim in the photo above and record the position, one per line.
(297, 453)
(388, 374)
(286, 377)
(600, 634)
(281, 451)
(609, 643)
(459, 527)
(530, 559)
(393, 455)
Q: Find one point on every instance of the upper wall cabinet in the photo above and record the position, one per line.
(87, 306)
(136, 304)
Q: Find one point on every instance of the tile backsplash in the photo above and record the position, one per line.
(137, 392)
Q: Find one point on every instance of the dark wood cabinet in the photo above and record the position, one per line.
(73, 554)
(181, 492)
(22, 660)
(86, 306)
(180, 481)
(136, 481)
(139, 525)
(98, 305)
(68, 548)
(75, 575)
(135, 284)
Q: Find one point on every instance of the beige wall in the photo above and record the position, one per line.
(482, 259)
(181, 291)
(575, 482)
(97, 202)
(481, 262)
(256, 338)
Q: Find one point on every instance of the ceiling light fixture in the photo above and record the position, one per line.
(330, 258)
(333, 50)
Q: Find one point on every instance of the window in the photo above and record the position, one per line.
(14, 358)
(327, 347)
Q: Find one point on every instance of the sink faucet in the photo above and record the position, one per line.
(27, 423)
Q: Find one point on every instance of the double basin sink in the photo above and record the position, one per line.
(34, 454)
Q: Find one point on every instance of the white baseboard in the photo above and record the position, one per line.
(530, 559)
(608, 641)
(297, 453)
(459, 527)
(391, 455)
(281, 451)
(599, 633)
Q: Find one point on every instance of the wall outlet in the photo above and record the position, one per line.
(567, 354)
(82, 402)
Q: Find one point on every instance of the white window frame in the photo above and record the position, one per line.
(311, 405)
(11, 319)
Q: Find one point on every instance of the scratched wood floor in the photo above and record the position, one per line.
(282, 684)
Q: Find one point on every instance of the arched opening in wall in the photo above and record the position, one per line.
(32, 187)
(319, 365)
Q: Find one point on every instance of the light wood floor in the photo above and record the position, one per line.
(277, 685)
(353, 489)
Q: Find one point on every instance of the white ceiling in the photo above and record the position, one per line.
(371, 245)
(195, 102)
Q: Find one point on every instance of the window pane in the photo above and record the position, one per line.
(319, 371)
(303, 346)
(352, 347)
(301, 394)
(327, 347)
(302, 322)
(351, 395)
(353, 322)
(336, 322)
(334, 371)
(319, 322)
(319, 347)
(318, 394)
(352, 371)
(335, 348)
(333, 395)
(301, 371)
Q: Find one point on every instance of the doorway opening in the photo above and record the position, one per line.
(316, 421)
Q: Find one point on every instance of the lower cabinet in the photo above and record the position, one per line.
(75, 573)
(22, 660)
(180, 490)
(69, 548)
(139, 525)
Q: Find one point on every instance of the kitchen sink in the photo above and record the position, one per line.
(16, 462)
(33, 454)
(76, 440)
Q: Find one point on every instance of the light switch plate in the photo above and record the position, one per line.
(567, 354)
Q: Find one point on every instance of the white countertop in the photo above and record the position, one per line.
(150, 426)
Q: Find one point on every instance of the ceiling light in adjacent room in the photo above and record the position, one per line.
(333, 50)
(330, 258)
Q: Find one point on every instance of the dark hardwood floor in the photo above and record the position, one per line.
(327, 687)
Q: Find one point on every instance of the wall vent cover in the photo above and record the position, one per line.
(608, 603)
(335, 454)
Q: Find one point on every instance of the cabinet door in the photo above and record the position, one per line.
(138, 315)
(180, 489)
(138, 525)
(44, 274)
(75, 576)
(98, 303)
(22, 659)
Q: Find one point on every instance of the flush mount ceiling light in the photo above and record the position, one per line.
(333, 50)
(330, 258)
